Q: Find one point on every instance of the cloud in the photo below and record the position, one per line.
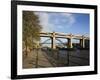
(63, 19)
(44, 21)
(53, 21)
(70, 17)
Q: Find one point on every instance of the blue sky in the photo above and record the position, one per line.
(75, 23)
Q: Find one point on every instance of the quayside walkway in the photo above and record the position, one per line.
(59, 58)
(33, 60)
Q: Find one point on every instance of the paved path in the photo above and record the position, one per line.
(30, 60)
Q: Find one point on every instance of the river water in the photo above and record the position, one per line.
(76, 57)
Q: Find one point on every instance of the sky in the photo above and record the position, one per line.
(75, 23)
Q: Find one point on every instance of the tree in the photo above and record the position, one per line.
(31, 29)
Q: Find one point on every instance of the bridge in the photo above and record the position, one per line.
(69, 37)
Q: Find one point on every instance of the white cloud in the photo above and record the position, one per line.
(44, 18)
(70, 18)
(44, 21)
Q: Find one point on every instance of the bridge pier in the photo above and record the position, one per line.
(82, 43)
(69, 43)
(53, 45)
(87, 44)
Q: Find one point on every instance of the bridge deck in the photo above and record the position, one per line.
(62, 35)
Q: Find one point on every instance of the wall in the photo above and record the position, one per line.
(5, 41)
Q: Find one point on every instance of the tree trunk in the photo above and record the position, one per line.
(26, 53)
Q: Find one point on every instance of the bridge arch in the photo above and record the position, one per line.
(60, 42)
(45, 41)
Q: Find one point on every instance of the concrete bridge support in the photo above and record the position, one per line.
(87, 44)
(53, 44)
(82, 43)
(69, 43)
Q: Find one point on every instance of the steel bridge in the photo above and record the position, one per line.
(69, 37)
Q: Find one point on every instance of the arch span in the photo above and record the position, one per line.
(60, 42)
